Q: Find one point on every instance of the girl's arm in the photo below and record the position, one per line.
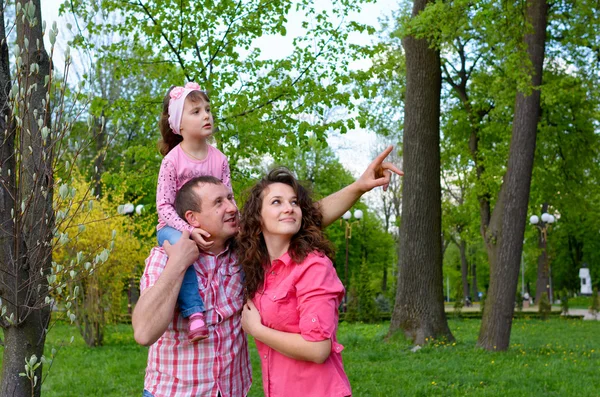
(289, 344)
(166, 191)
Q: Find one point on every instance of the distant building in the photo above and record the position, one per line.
(586, 281)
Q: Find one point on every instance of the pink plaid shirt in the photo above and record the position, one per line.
(217, 364)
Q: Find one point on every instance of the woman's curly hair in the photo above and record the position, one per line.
(252, 250)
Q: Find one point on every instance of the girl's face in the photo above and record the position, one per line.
(281, 214)
(196, 120)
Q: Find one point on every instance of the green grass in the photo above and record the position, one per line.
(580, 302)
(553, 358)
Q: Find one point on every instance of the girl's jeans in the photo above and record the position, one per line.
(189, 300)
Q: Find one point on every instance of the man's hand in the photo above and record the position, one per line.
(200, 236)
(378, 173)
(184, 252)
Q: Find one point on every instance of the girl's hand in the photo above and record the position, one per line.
(200, 236)
(251, 321)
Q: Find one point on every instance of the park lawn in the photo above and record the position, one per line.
(553, 358)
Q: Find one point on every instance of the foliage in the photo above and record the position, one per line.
(564, 301)
(595, 307)
(383, 304)
(101, 293)
(458, 305)
(37, 198)
(544, 306)
(262, 105)
(519, 301)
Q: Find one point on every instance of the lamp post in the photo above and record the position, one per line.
(544, 282)
(132, 294)
(346, 220)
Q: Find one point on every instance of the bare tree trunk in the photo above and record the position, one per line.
(504, 236)
(419, 306)
(26, 238)
(464, 268)
(474, 288)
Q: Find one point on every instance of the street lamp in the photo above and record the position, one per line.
(358, 214)
(544, 270)
(130, 209)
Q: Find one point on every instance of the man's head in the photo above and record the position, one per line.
(205, 202)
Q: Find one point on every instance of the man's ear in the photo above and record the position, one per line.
(192, 218)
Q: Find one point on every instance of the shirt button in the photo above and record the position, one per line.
(265, 356)
(272, 272)
(274, 296)
(313, 320)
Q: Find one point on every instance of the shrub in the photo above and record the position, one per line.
(595, 307)
(564, 301)
(544, 306)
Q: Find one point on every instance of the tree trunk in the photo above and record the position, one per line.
(504, 236)
(419, 306)
(464, 269)
(27, 236)
(474, 289)
(543, 276)
(100, 145)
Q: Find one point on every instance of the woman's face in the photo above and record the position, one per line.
(281, 214)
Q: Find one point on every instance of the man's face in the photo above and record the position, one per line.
(219, 214)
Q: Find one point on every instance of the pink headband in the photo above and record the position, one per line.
(178, 95)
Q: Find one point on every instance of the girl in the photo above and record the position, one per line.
(293, 289)
(185, 125)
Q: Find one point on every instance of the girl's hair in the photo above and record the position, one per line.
(252, 250)
(169, 139)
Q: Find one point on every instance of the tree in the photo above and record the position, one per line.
(26, 194)
(34, 202)
(261, 105)
(419, 306)
(505, 230)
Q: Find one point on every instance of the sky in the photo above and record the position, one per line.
(356, 148)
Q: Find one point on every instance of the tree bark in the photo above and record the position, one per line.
(474, 288)
(419, 306)
(504, 236)
(28, 234)
(464, 269)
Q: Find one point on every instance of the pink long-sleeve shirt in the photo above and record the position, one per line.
(303, 299)
(175, 170)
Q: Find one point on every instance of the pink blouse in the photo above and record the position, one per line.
(175, 170)
(303, 299)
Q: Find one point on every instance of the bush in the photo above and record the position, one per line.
(519, 302)
(595, 307)
(564, 301)
(544, 306)
(383, 304)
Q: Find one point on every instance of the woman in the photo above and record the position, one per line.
(293, 291)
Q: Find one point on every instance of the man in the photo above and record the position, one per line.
(219, 365)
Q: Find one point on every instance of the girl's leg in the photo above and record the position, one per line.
(169, 234)
(191, 306)
(189, 301)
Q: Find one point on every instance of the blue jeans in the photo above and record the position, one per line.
(147, 394)
(189, 300)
